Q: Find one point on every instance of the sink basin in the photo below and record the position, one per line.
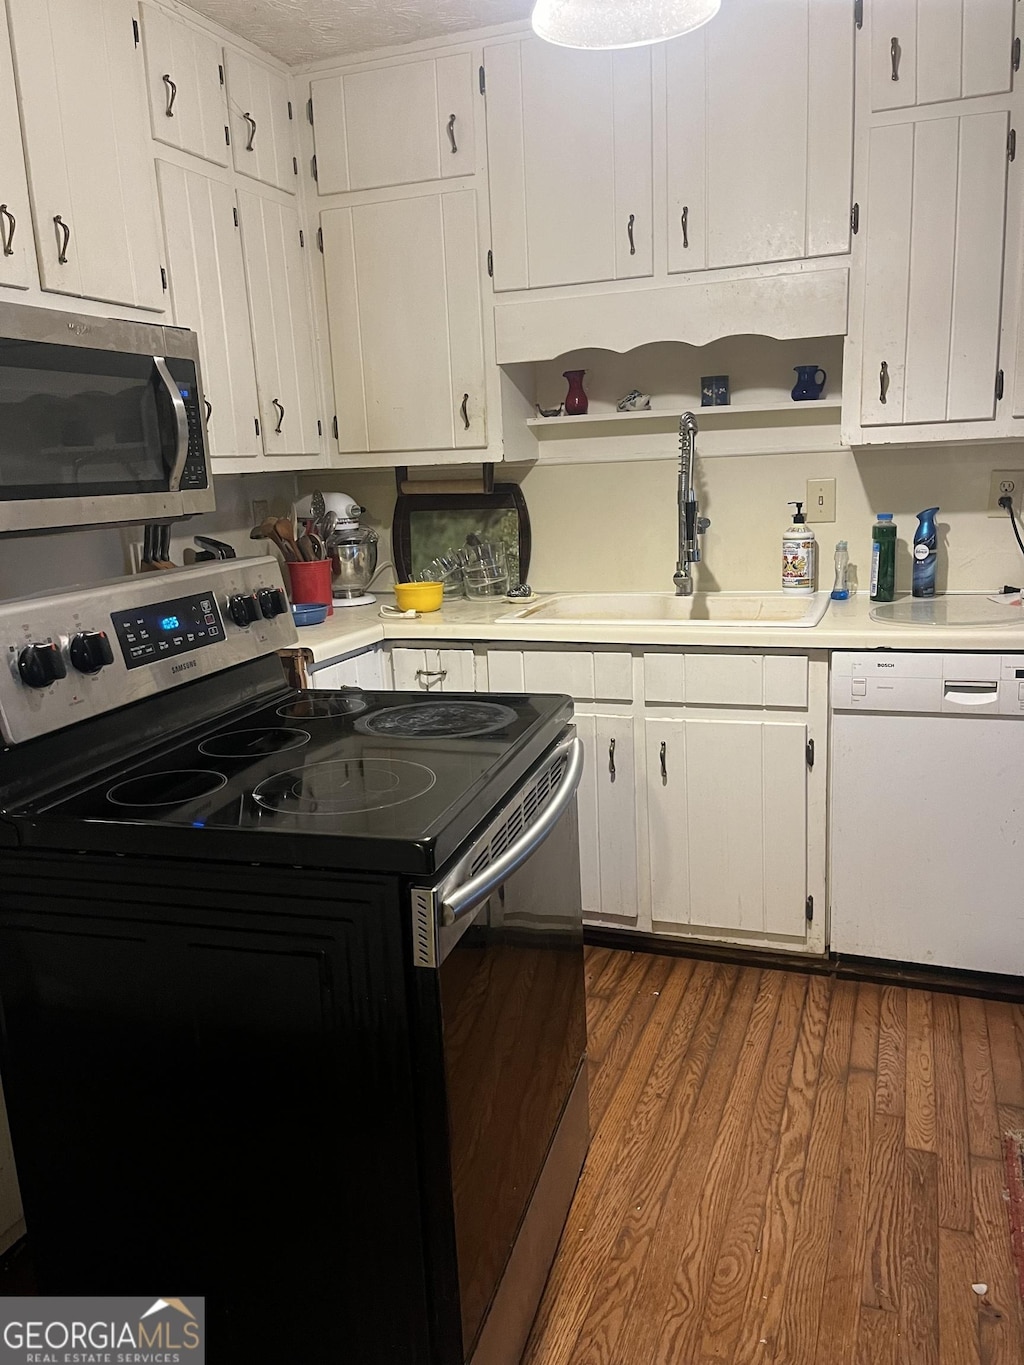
(664, 608)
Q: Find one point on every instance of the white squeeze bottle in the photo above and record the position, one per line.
(799, 550)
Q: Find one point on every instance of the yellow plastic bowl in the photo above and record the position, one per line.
(419, 596)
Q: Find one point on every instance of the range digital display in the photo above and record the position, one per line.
(163, 629)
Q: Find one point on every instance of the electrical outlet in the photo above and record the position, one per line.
(821, 500)
(1005, 483)
(260, 510)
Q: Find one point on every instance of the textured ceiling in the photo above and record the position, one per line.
(306, 30)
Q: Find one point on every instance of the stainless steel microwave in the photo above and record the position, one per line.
(101, 422)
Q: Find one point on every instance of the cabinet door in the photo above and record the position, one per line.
(260, 122)
(207, 287)
(405, 326)
(185, 79)
(607, 814)
(394, 125)
(933, 269)
(569, 150)
(16, 268)
(745, 873)
(760, 135)
(282, 327)
(433, 670)
(80, 86)
(923, 52)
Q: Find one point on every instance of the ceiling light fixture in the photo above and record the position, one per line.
(618, 23)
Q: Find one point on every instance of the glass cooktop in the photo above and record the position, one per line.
(388, 782)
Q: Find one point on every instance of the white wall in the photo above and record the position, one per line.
(613, 526)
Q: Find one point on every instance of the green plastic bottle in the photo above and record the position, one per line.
(883, 558)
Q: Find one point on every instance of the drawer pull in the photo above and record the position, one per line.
(62, 250)
(252, 132)
(684, 223)
(280, 415)
(629, 233)
(7, 238)
(611, 759)
(464, 410)
(895, 53)
(664, 761)
(451, 132)
(883, 382)
(172, 92)
(970, 693)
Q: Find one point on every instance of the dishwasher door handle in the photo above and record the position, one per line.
(970, 693)
(467, 897)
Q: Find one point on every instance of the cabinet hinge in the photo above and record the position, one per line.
(227, 135)
(334, 426)
(319, 427)
(312, 166)
(810, 753)
(295, 165)
(135, 31)
(256, 423)
(320, 239)
(302, 238)
(1016, 54)
(809, 909)
(234, 214)
(855, 219)
(490, 264)
(309, 110)
(290, 114)
(220, 72)
(1011, 144)
(483, 81)
(858, 13)
(999, 385)
(163, 278)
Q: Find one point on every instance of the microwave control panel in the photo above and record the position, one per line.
(194, 474)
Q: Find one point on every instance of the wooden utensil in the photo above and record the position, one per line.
(267, 530)
(286, 536)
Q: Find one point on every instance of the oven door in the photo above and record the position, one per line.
(505, 965)
(99, 432)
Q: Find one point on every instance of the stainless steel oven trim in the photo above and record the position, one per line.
(440, 914)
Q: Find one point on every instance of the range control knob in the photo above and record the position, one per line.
(90, 651)
(242, 609)
(272, 602)
(41, 665)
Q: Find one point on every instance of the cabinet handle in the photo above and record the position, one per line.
(172, 91)
(428, 676)
(280, 415)
(611, 758)
(451, 132)
(629, 233)
(7, 238)
(62, 250)
(883, 382)
(895, 53)
(252, 132)
(664, 761)
(684, 223)
(464, 410)
(209, 408)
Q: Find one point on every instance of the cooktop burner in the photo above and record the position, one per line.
(344, 787)
(166, 788)
(312, 707)
(253, 743)
(438, 720)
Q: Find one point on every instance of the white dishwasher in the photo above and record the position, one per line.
(926, 818)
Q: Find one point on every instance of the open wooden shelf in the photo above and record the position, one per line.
(664, 419)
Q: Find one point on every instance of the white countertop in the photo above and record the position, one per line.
(845, 625)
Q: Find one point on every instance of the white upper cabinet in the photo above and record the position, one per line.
(569, 149)
(403, 306)
(394, 125)
(185, 78)
(282, 327)
(260, 118)
(933, 269)
(16, 267)
(759, 137)
(207, 287)
(927, 51)
(80, 87)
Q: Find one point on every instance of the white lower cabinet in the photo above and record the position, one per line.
(433, 670)
(607, 816)
(365, 670)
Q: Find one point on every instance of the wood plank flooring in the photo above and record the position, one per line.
(787, 1170)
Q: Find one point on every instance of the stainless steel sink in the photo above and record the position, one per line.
(664, 608)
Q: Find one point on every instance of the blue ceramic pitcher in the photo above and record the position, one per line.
(808, 385)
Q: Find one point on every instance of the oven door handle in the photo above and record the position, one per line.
(181, 424)
(467, 897)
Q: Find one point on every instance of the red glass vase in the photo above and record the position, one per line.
(576, 402)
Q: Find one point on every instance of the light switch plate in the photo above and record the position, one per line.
(1008, 481)
(821, 500)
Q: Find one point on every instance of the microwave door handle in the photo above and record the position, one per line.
(181, 424)
(467, 897)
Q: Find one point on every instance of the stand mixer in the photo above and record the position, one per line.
(352, 548)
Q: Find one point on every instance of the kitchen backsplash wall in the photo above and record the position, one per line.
(613, 526)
